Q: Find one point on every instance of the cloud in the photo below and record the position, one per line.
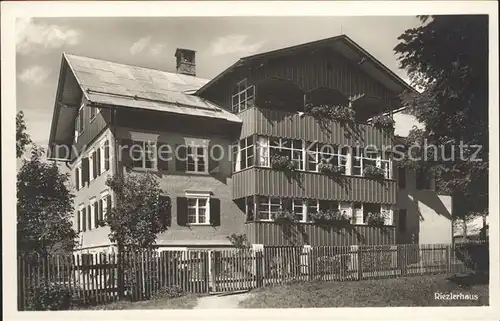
(31, 36)
(234, 44)
(145, 45)
(34, 75)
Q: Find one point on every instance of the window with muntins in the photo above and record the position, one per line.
(363, 158)
(196, 159)
(243, 96)
(269, 147)
(198, 209)
(244, 154)
(326, 154)
(79, 121)
(269, 207)
(143, 154)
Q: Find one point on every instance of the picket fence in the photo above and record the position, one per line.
(103, 278)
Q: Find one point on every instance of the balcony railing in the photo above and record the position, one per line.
(290, 125)
(270, 182)
(271, 233)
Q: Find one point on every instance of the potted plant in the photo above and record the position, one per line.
(376, 219)
(343, 114)
(329, 216)
(284, 163)
(330, 169)
(285, 216)
(374, 172)
(383, 121)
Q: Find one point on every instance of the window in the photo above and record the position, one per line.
(104, 205)
(312, 206)
(143, 154)
(363, 158)
(93, 113)
(370, 208)
(198, 209)
(79, 217)
(424, 180)
(79, 121)
(402, 220)
(243, 96)
(267, 147)
(401, 177)
(78, 177)
(105, 156)
(92, 213)
(92, 165)
(268, 207)
(84, 218)
(326, 154)
(196, 159)
(244, 154)
(299, 208)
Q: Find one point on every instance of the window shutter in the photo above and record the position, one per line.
(165, 211)
(215, 211)
(77, 179)
(214, 154)
(182, 211)
(108, 204)
(124, 153)
(106, 155)
(162, 157)
(98, 158)
(84, 219)
(180, 158)
(96, 215)
(101, 210)
(89, 217)
(78, 221)
(94, 164)
(85, 171)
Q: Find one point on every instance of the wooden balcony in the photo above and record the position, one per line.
(270, 233)
(269, 182)
(293, 126)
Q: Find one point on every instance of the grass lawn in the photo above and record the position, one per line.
(407, 291)
(184, 302)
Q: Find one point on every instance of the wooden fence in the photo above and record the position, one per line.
(103, 278)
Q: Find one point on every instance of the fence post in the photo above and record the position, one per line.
(448, 259)
(402, 259)
(211, 271)
(360, 262)
(259, 273)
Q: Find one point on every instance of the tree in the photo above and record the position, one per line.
(448, 57)
(22, 138)
(140, 211)
(44, 208)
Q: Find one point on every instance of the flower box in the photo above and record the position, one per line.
(285, 217)
(374, 172)
(376, 219)
(330, 169)
(329, 216)
(283, 163)
(343, 114)
(383, 121)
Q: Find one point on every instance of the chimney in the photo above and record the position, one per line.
(186, 63)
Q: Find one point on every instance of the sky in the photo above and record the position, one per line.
(151, 42)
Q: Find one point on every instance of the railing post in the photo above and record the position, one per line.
(360, 262)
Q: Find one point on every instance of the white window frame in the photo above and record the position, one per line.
(146, 147)
(302, 207)
(377, 159)
(342, 160)
(267, 202)
(104, 209)
(80, 217)
(78, 167)
(243, 92)
(92, 212)
(196, 207)
(92, 113)
(79, 124)
(263, 151)
(91, 165)
(242, 146)
(195, 158)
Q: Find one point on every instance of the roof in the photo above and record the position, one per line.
(116, 84)
(342, 44)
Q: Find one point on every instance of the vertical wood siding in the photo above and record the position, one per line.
(269, 182)
(92, 129)
(311, 70)
(291, 125)
(269, 233)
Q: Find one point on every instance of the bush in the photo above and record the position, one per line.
(475, 256)
(374, 172)
(169, 292)
(383, 121)
(51, 296)
(376, 258)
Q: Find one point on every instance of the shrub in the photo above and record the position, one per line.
(374, 172)
(285, 216)
(376, 219)
(475, 256)
(51, 296)
(329, 216)
(239, 241)
(283, 163)
(383, 121)
(330, 169)
(376, 258)
(169, 292)
(342, 114)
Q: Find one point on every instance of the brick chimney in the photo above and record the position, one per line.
(186, 63)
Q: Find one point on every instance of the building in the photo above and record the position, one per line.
(250, 112)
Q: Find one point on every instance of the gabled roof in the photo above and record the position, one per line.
(117, 84)
(114, 84)
(343, 45)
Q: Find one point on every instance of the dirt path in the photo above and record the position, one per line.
(221, 301)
